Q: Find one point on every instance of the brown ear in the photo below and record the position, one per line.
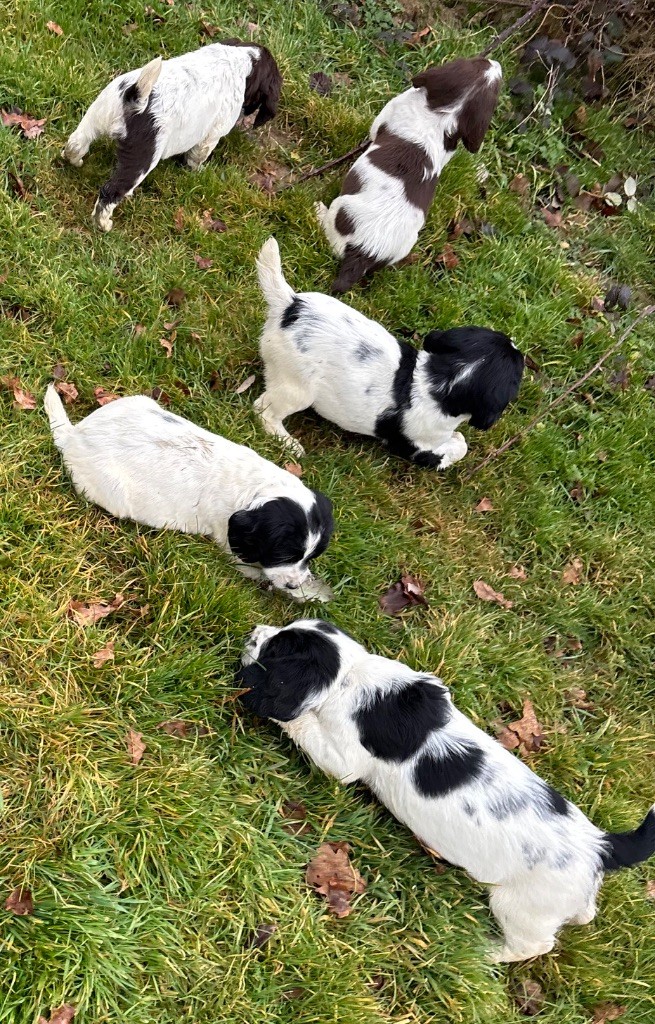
(475, 116)
(446, 85)
(263, 88)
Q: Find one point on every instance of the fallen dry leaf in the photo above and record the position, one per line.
(176, 297)
(67, 390)
(88, 614)
(520, 185)
(135, 746)
(178, 219)
(447, 257)
(572, 574)
(526, 733)
(104, 655)
(247, 383)
(529, 997)
(211, 223)
(209, 30)
(167, 343)
(553, 218)
(333, 876)
(577, 492)
(484, 505)
(23, 399)
(415, 38)
(404, 594)
(176, 727)
(517, 572)
(293, 993)
(52, 26)
(293, 468)
(294, 814)
(267, 176)
(261, 936)
(20, 902)
(202, 262)
(320, 83)
(58, 371)
(62, 1015)
(487, 593)
(577, 698)
(31, 127)
(650, 889)
(605, 1012)
(104, 397)
(138, 330)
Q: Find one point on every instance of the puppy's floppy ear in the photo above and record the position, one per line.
(321, 519)
(475, 116)
(244, 535)
(293, 667)
(263, 88)
(431, 340)
(444, 85)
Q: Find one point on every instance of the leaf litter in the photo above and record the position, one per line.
(31, 127)
(23, 399)
(407, 593)
(526, 734)
(332, 876)
(88, 614)
(487, 593)
(135, 746)
(20, 902)
(62, 1015)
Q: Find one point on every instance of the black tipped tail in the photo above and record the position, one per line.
(623, 849)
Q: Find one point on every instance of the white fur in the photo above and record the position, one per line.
(530, 902)
(316, 365)
(387, 225)
(141, 462)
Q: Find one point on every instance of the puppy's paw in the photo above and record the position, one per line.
(103, 221)
(72, 157)
(295, 447)
(313, 590)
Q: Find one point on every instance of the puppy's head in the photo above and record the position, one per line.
(282, 537)
(263, 88)
(474, 372)
(289, 670)
(469, 86)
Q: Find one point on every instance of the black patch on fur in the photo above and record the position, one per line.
(351, 183)
(135, 153)
(556, 801)
(277, 532)
(364, 351)
(394, 726)
(438, 775)
(292, 313)
(448, 85)
(407, 161)
(343, 222)
(355, 265)
(327, 627)
(293, 666)
(388, 426)
(623, 849)
(263, 84)
(483, 394)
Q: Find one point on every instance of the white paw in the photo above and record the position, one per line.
(103, 221)
(72, 157)
(295, 447)
(192, 164)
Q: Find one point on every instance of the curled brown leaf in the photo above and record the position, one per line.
(87, 614)
(20, 902)
(487, 593)
(333, 876)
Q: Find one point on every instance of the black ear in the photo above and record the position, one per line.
(263, 88)
(475, 116)
(445, 85)
(431, 340)
(293, 667)
(244, 535)
(322, 520)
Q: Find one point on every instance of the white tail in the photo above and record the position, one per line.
(60, 424)
(144, 85)
(277, 292)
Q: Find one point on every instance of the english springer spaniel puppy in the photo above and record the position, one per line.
(319, 352)
(183, 105)
(363, 718)
(140, 462)
(387, 192)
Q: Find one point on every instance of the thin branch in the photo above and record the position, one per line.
(328, 166)
(647, 311)
(514, 27)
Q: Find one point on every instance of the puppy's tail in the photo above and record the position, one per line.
(136, 96)
(277, 292)
(60, 424)
(623, 849)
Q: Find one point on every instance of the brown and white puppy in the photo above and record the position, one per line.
(183, 105)
(387, 192)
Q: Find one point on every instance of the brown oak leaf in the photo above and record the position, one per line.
(484, 505)
(167, 343)
(404, 594)
(605, 1012)
(52, 26)
(447, 257)
(572, 574)
(87, 614)
(210, 223)
(135, 745)
(517, 572)
(529, 997)
(175, 297)
(178, 219)
(553, 218)
(23, 399)
(520, 185)
(294, 814)
(104, 397)
(333, 876)
(104, 655)
(526, 733)
(294, 468)
(261, 936)
(20, 902)
(202, 262)
(62, 1015)
(31, 127)
(650, 889)
(67, 391)
(487, 593)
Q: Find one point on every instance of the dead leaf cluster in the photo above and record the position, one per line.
(62, 1015)
(87, 614)
(525, 735)
(487, 593)
(332, 876)
(31, 127)
(407, 593)
(23, 399)
(20, 902)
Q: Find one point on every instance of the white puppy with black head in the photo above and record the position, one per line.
(140, 462)
(364, 718)
(320, 353)
(387, 192)
(182, 105)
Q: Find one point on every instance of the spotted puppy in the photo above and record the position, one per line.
(140, 462)
(319, 352)
(183, 105)
(387, 192)
(362, 718)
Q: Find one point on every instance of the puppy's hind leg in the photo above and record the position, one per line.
(354, 266)
(195, 157)
(529, 929)
(273, 406)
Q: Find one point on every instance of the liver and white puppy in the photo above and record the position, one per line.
(140, 462)
(319, 352)
(182, 105)
(387, 192)
(363, 718)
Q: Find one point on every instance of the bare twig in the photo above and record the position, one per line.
(514, 27)
(647, 311)
(328, 166)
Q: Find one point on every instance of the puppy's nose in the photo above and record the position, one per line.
(292, 586)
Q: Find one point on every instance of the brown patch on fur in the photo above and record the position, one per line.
(407, 161)
(263, 84)
(351, 183)
(355, 265)
(446, 86)
(343, 222)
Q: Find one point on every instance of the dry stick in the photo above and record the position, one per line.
(363, 145)
(647, 311)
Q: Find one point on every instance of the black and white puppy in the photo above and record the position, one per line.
(319, 352)
(364, 718)
(183, 105)
(140, 462)
(387, 192)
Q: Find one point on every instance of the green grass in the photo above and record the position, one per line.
(148, 879)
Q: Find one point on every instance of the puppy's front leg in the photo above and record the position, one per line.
(195, 157)
(307, 733)
(454, 449)
(131, 169)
